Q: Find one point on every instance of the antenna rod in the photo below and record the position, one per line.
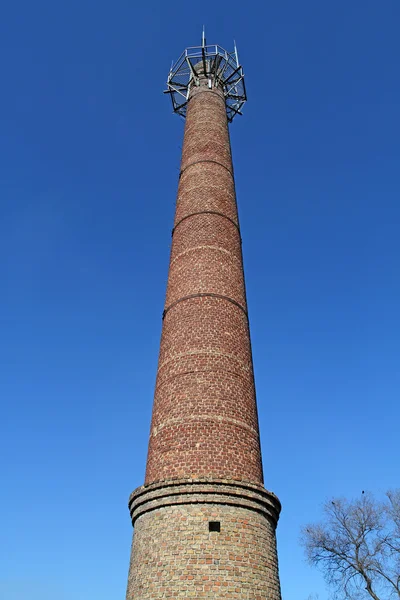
(236, 53)
(203, 42)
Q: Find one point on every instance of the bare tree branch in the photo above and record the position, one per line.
(357, 546)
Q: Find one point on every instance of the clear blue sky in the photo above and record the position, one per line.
(89, 159)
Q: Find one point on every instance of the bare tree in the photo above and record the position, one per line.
(357, 546)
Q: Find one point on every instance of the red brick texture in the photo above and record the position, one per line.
(204, 458)
(204, 414)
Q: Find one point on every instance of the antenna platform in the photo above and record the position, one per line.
(221, 68)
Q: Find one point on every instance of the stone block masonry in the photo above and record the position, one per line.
(204, 525)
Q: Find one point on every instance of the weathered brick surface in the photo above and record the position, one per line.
(175, 556)
(204, 458)
(204, 414)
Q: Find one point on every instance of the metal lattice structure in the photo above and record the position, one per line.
(220, 67)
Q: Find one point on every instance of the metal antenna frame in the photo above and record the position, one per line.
(222, 69)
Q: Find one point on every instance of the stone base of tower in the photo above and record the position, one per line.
(178, 552)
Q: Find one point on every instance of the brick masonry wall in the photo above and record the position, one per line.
(175, 556)
(204, 420)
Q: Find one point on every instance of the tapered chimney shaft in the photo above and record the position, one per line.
(204, 523)
(204, 415)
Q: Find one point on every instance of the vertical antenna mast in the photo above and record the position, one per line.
(203, 51)
(170, 71)
(236, 53)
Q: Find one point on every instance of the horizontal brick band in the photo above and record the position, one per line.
(198, 372)
(195, 249)
(197, 162)
(205, 212)
(203, 418)
(204, 295)
(186, 491)
(245, 367)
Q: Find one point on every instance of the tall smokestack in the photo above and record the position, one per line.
(204, 525)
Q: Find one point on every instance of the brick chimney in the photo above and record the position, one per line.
(204, 525)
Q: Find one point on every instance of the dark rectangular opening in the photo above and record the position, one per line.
(214, 526)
